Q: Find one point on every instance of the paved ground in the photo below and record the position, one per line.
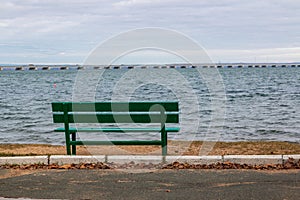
(165, 184)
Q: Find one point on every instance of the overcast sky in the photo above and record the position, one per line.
(66, 31)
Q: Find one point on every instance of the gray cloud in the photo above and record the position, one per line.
(77, 26)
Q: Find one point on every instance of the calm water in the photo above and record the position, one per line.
(261, 104)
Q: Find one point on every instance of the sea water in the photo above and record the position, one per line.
(260, 104)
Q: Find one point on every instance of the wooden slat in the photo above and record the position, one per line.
(115, 118)
(57, 107)
(113, 106)
(116, 129)
(131, 142)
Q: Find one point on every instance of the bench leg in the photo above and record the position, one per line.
(164, 142)
(74, 146)
(68, 146)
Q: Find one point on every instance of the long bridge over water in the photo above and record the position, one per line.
(32, 67)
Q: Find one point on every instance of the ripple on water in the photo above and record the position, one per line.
(262, 104)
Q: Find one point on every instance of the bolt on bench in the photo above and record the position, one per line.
(112, 114)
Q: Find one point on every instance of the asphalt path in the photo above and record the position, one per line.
(151, 184)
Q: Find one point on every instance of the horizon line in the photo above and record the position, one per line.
(141, 64)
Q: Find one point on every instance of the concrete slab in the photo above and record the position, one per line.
(195, 159)
(136, 159)
(20, 160)
(62, 159)
(254, 159)
(286, 157)
(121, 159)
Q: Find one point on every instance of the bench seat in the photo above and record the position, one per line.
(119, 130)
(121, 142)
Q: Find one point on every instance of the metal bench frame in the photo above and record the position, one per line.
(113, 113)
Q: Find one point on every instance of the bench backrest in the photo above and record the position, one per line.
(115, 112)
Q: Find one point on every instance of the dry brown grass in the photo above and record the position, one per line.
(174, 148)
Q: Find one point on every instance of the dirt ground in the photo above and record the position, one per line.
(174, 148)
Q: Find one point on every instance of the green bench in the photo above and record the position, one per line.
(110, 115)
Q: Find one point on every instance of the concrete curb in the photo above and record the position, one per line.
(61, 159)
(286, 157)
(195, 159)
(254, 160)
(134, 158)
(19, 160)
(122, 159)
